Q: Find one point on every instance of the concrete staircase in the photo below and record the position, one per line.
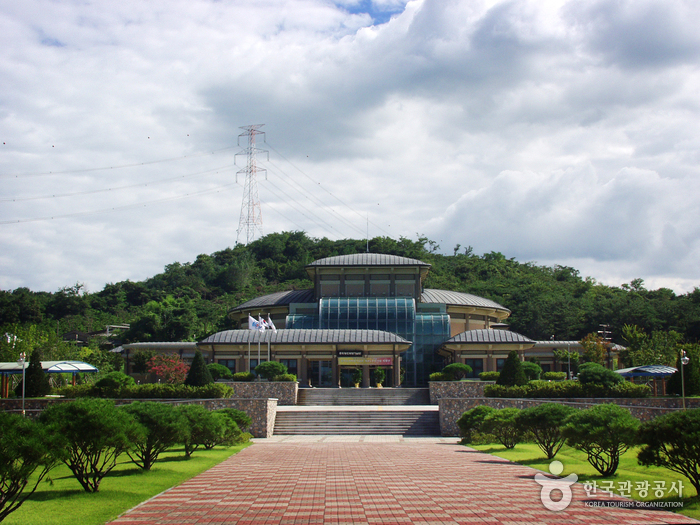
(363, 396)
(362, 422)
(363, 411)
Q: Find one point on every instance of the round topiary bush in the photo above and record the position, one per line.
(269, 369)
(457, 370)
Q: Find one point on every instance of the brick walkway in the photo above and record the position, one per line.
(394, 480)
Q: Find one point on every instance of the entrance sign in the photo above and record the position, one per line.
(349, 353)
(361, 361)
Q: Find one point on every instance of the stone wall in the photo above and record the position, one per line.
(286, 392)
(643, 409)
(261, 411)
(456, 389)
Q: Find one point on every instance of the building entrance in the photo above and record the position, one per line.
(320, 373)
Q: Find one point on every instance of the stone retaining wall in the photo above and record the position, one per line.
(456, 389)
(286, 392)
(643, 409)
(261, 411)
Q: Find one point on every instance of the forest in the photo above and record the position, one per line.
(189, 301)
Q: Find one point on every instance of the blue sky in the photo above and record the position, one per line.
(556, 132)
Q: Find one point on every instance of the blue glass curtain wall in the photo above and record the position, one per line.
(300, 321)
(396, 315)
(431, 330)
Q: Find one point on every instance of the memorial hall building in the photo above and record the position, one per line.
(368, 311)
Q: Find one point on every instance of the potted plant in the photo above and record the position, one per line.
(357, 377)
(379, 376)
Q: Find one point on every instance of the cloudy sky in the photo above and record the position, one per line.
(558, 132)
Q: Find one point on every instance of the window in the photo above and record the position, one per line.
(254, 363)
(228, 363)
(499, 364)
(291, 365)
(477, 366)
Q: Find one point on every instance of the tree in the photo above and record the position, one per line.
(691, 372)
(457, 370)
(594, 349)
(37, 383)
(657, 349)
(164, 427)
(568, 359)
(502, 423)
(168, 367)
(199, 374)
(603, 432)
(269, 369)
(512, 372)
(671, 441)
(140, 361)
(242, 419)
(27, 455)
(204, 426)
(544, 422)
(94, 433)
(471, 420)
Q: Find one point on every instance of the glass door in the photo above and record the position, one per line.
(320, 373)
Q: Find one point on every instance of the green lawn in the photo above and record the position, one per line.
(574, 461)
(64, 502)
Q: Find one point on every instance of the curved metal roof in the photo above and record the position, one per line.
(490, 337)
(278, 299)
(647, 371)
(459, 299)
(368, 259)
(305, 336)
(50, 367)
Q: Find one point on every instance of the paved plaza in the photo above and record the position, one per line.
(371, 479)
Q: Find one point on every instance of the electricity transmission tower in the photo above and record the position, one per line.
(251, 213)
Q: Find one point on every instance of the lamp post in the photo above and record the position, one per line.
(684, 361)
(22, 361)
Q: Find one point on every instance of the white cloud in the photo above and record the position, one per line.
(556, 131)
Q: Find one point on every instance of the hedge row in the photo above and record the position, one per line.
(150, 391)
(567, 389)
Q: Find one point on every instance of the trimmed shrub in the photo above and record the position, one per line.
(219, 371)
(489, 376)
(154, 391)
(94, 433)
(205, 428)
(285, 378)
(503, 425)
(441, 376)
(544, 422)
(471, 420)
(198, 375)
(27, 455)
(554, 376)
(242, 419)
(111, 384)
(604, 433)
(457, 370)
(512, 373)
(243, 376)
(567, 389)
(532, 370)
(598, 375)
(671, 441)
(163, 426)
(269, 369)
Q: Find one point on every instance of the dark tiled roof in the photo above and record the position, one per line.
(458, 299)
(278, 299)
(489, 336)
(368, 259)
(302, 336)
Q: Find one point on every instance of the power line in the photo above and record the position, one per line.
(316, 183)
(114, 189)
(119, 208)
(87, 170)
